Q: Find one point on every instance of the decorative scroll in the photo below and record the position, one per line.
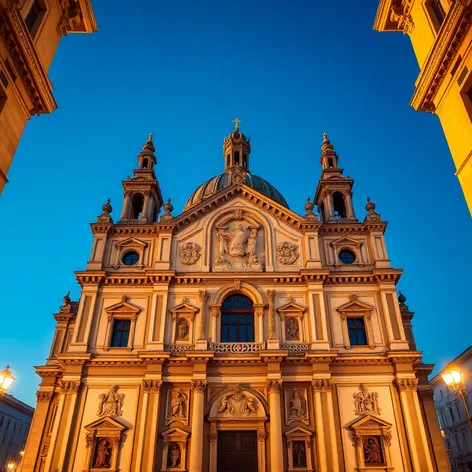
(237, 348)
(297, 349)
(204, 296)
(270, 298)
(178, 349)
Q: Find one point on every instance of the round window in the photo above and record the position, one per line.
(347, 257)
(130, 258)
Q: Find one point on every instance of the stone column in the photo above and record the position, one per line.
(151, 388)
(196, 452)
(418, 444)
(276, 446)
(273, 342)
(318, 385)
(213, 438)
(201, 339)
(215, 312)
(144, 214)
(331, 425)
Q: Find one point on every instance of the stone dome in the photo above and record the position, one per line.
(222, 181)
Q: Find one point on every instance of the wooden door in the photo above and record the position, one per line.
(237, 451)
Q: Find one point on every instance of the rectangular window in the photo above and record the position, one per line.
(3, 99)
(34, 17)
(237, 328)
(438, 10)
(452, 415)
(356, 330)
(120, 334)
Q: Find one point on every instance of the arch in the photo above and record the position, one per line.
(339, 205)
(137, 204)
(242, 287)
(237, 319)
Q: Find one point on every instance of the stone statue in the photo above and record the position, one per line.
(372, 451)
(366, 402)
(66, 299)
(103, 455)
(182, 329)
(233, 242)
(291, 329)
(177, 404)
(110, 403)
(237, 403)
(296, 405)
(299, 454)
(174, 455)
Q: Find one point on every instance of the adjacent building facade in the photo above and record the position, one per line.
(453, 417)
(236, 336)
(15, 422)
(30, 31)
(441, 36)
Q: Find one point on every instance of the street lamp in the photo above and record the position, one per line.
(6, 379)
(454, 379)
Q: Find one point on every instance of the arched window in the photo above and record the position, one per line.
(137, 203)
(237, 320)
(322, 212)
(330, 162)
(236, 158)
(338, 204)
(145, 163)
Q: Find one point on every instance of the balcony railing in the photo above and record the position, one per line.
(237, 348)
(296, 349)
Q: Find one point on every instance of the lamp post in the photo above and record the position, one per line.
(454, 379)
(6, 379)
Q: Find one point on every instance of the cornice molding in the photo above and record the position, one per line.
(450, 37)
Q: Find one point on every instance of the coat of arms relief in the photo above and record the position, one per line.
(238, 244)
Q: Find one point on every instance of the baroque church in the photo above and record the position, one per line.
(238, 336)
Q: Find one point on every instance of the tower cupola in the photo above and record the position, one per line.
(147, 158)
(329, 158)
(236, 149)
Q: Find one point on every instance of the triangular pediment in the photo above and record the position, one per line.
(354, 305)
(131, 242)
(298, 431)
(291, 306)
(266, 204)
(174, 432)
(369, 422)
(346, 241)
(123, 307)
(106, 423)
(184, 308)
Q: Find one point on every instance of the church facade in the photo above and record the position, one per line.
(236, 336)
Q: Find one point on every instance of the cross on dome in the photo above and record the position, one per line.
(236, 123)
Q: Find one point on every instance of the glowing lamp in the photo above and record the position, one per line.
(6, 379)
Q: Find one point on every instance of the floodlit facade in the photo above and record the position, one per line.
(441, 36)
(30, 31)
(236, 336)
(453, 417)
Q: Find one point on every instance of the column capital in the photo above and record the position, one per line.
(203, 295)
(274, 385)
(426, 393)
(262, 436)
(43, 397)
(152, 386)
(406, 384)
(212, 436)
(321, 385)
(71, 387)
(199, 386)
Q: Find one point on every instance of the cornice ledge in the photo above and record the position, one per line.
(73, 359)
(360, 360)
(22, 49)
(93, 278)
(310, 276)
(101, 228)
(387, 275)
(404, 357)
(320, 357)
(49, 370)
(451, 34)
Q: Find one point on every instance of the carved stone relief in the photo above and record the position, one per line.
(287, 252)
(296, 408)
(189, 253)
(177, 406)
(174, 455)
(237, 247)
(111, 403)
(366, 402)
(182, 330)
(237, 403)
(292, 331)
(299, 454)
(372, 450)
(103, 454)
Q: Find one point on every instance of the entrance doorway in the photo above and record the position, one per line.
(237, 451)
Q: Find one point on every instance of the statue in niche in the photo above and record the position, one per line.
(291, 329)
(296, 405)
(372, 451)
(103, 454)
(177, 404)
(238, 403)
(366, 402)
(237, 249)
(173, 459)
(299, 454)
(110, 403)
(182, 329)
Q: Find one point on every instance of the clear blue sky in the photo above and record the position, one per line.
(183, 70)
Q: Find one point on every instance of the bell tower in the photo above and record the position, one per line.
(236, 149)
(143, 199)
(334, 192)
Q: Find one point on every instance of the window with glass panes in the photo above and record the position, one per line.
(356, 330)
(33, 16)
(237, 320)
(120, 334)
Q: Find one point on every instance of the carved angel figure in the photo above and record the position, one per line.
(110, 403)
(177, 404)
(366, 402)
(237, 403)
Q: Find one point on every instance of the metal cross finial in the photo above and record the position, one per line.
(325, 136)
(236, 123)
(150, 137)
